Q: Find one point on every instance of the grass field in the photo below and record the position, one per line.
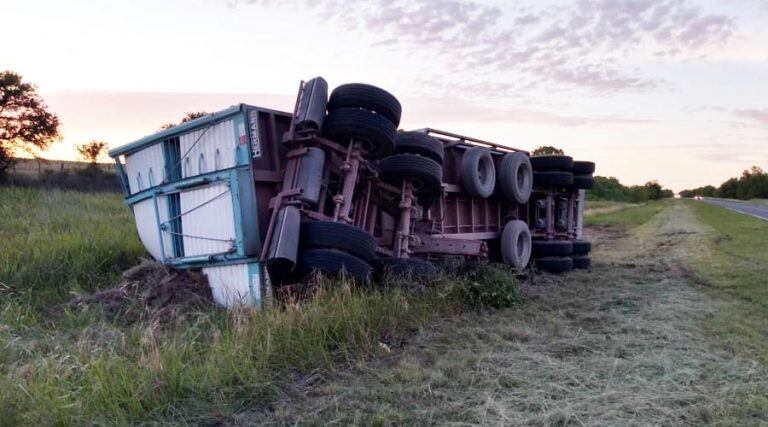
(668, 328)
(59, 366)
(597, 207)
(627, 343)
(733, 263)
(620, 215)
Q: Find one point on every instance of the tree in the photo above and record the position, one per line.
(92, 151)
(655, 192)
(25, 123)
(188, 117)
(548, 150)
(753, 183)
(609, 188)
(612, 189)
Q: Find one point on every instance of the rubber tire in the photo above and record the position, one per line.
(549, 248)
(552, 179)
(337, 235)
(421, 144)
(472, 160)
(583, 182)
(516, 177)
(367, 97)
(425, 174)
(583, 168)
(375, 133)
(581, 262)
(516, 252)
(407, 268)
(333, 262)
(581, 247)
(552, 163)
(554, 265)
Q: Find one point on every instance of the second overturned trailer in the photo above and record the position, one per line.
(258, 198)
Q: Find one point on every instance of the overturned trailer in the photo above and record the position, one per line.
(258, 198)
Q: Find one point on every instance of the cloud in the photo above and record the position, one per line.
(423, 111)
(756, 115)
(583, 45)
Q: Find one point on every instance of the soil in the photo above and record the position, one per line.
(150, 291)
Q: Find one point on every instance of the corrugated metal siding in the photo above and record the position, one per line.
(213, 220)
(146, 224)
(206, 141)
(141, 162)
(229, 284)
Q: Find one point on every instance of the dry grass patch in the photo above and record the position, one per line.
(618, 345)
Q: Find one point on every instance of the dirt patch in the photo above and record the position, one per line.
(149, 291)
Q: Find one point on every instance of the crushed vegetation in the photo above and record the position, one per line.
(149, 291)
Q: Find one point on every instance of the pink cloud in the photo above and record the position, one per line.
(757, 115)
(579, 46)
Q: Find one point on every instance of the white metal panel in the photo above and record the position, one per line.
(146, 224)
(140, 163)
(207, 141)
(207, 222)
(233, 285)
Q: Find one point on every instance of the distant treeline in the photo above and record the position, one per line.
(612, 189)
(752, 184)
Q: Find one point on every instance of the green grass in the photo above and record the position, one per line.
(734, 267)
(78, 368)
(204, 369)
(602, 204)
(57, 242)
(627, 218)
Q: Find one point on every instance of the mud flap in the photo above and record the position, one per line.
(284, 248)
(311, 110)
(310, 179)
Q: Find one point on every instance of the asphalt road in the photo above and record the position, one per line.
(738, 206)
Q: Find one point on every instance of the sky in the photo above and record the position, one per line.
(673, 90)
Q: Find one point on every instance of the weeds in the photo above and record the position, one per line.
(489, 286)
(118, 356)
(627, 217)
(55, 243)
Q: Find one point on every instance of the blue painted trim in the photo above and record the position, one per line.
(172, 156)
(177, 238)
(234, 187)
(193, 181)
(210, 261)
(123, 177)
(159, 228)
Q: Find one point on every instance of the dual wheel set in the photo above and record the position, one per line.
(368, 117)
(562, 175)
(560, 256)
(562, 172)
